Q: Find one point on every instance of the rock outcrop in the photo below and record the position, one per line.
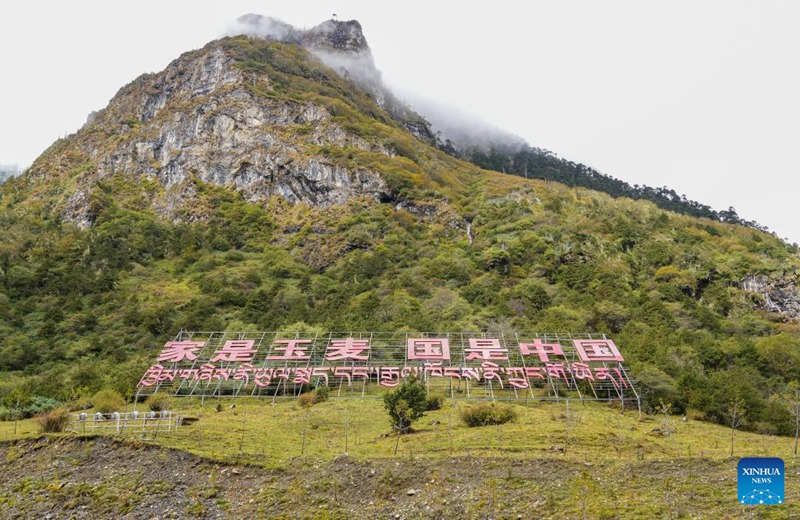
(780, 296)
(200, 120)
(214, 117)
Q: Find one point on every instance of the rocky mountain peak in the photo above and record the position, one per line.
(262, 118)
(335, 35)
(208, 118)
(330, 35)
(339, 44)
(342, 46)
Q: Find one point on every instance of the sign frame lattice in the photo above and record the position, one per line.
(275, 364)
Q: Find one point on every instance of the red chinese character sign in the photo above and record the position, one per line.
(175, 351)
(470, 365)
(428, 348)
(241, 351)
(348, 349)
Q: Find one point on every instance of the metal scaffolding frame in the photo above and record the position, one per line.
(456, 377)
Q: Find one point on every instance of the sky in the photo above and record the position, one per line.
(701, 96)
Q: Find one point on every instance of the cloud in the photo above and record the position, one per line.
(463, 129)
(266, 27)
(8, 170)
(342, 46)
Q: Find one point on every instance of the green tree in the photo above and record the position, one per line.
(406, 404)
(792, 399)
(780, 355)
(735, 413)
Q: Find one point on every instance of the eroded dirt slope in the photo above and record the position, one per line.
(96, 478)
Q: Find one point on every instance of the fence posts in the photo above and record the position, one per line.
(117, 423)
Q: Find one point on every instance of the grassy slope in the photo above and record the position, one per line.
(667, 286)
(614, 466)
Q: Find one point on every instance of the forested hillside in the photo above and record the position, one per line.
(535, 163)
(106, 252)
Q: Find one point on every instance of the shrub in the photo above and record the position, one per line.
(322, 393)
(406, 404)
(435, 402)
(309, 399)
(483, 414)
(108, 401)
(54, 421)
(39, 405)
(78, 405)
(158, 402)
(306, 400)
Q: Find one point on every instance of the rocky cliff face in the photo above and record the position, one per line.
(339, 36)
(200, 120)
(780, 296)
(209, 118)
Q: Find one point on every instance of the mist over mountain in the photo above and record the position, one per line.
(8, 170)
(343, 47)
(470, 137)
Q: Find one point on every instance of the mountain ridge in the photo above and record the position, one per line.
(342, 46)
(251, 187)
(7, 171)
(484, 146)
(208, 116)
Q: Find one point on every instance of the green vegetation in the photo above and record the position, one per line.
(88, 309)
(108, 401)
(485, 414)
(434, 402)
(309, 399)
(637, 471)
(54, 421)
(405, 404)
(83, 310)
(18, 405)
(158, 402)
(536, 163)
(594, 431)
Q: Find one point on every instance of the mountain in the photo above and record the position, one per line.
(342, 46)
(250, 186)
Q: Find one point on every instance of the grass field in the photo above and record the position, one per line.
(599, 461)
